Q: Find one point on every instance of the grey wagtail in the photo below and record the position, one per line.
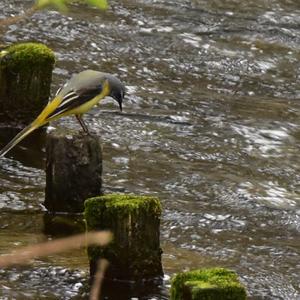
(77, 96)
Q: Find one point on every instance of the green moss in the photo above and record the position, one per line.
(118, 204)
(207, 284)
(26, 55)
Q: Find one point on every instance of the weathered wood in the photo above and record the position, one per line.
(135, 252)
(212, 283)
(25, 79)
(73, 170)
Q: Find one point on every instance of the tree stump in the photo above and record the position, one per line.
(214, 283)
(25, 79)
(73, 170)
(135, 252)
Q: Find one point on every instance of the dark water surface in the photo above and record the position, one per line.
(211, 125)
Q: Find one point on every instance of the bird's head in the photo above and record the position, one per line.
(117, 89)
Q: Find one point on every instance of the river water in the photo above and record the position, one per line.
(211, 125)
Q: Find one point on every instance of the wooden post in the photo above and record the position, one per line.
(135, 252)
(73, 170)
(214, 283)
(25, 79)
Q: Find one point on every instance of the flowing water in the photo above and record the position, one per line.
(211, 125)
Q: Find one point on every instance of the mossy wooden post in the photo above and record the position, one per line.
(25, 79)
(73, 170)
(207, 284)
(135, 252)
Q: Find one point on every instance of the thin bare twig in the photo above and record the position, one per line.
(25, 254)
(98, 278)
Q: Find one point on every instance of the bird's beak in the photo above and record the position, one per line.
(120, 105)
(119, 99)
(118, 95)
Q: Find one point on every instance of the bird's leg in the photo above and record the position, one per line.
(83, 125)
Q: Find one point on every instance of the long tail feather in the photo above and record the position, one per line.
(41, 120)
(18, 138)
